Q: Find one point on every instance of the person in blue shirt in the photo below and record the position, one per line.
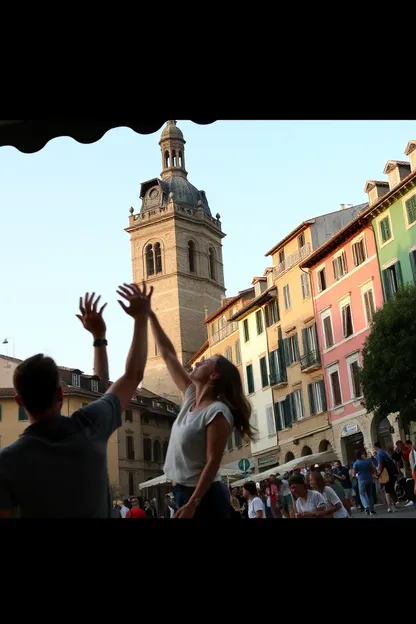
(363, 470)
(384, 461)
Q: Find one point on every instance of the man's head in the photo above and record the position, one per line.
(409, 444)
(38, 388)
(400, 445)
(377, 446)
(297, 485)
(337, 464)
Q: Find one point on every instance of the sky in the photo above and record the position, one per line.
(65, 209)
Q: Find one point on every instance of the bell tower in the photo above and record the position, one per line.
(176, 247)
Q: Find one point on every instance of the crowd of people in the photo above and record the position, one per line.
(58, 466)
(333, 490)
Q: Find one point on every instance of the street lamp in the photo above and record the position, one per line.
(6, 342)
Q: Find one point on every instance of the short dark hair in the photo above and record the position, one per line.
(377, 444)
(36, 381)
(251, 488)
(358, 454)
(297, 479)
(409, 442)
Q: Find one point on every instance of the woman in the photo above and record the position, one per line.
(272, 492)
(336, 486)
(287, 497)
(256, 507)
(137, 509)
(235, 504)
(214, 404)
(334, 507)
(309, 504)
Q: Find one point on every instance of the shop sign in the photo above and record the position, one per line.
(266, 461)
(349, 430)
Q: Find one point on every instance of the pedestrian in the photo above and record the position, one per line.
(335, 485)
(334, 507)
(58, 466)
(137, 509)
(235, 504)
(115, 511)
(214, 404)
(288, 506)
(364, 470)
(411, 479)
(170, 507)
(256, 507)
(387, 474)
(125, 508)
(308, 503)
(149, 509)
(341, 474)
(272, 492)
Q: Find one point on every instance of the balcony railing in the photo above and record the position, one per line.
(291, 260)
(278, 378)
(311, 359)
(223, 332)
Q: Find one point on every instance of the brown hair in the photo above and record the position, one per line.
(320, 483)
(36, 381)
(230, 391)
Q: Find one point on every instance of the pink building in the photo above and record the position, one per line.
(346, 288)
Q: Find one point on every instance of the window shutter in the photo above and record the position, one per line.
(367, 306)
(323, 395)
(285, 351)
(334, 267)
(411, 209)
(294, 415)
(277, 419)
(296, 348)
(344, 321)
(354, 255)
(315, 334)
(305, 341)
(312, 407)
(412, 256)
(398, 272)
(387, 287)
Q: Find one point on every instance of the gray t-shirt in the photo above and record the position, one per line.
(58, 467)
(187, 451)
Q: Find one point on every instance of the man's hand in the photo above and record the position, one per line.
(138, 299)
(91, 317)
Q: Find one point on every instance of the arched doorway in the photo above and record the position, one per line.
(289, 456)
(384, 434)
(324, 445)
(352, 440)
(306, 451)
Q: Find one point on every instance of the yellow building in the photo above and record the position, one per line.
(298, 385)
(136, 451)
(223, 339)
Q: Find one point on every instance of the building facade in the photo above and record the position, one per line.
(176, 247)
(296, 374)
(254, 319)
(346, 288)
(136, 451)
(223, 339)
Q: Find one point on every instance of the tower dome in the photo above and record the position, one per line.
(171, 131)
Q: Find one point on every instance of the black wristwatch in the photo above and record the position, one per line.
(100, 342)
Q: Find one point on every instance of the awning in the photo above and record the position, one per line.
(225, 472)
(299, 462)
(31, 136)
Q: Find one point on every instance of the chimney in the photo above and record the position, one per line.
(396, 171)
(375, 189)
(260, 285)
(411, 152)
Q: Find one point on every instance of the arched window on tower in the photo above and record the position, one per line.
(211, 261)
(150, 263)
(158, 258)
(191, 256)
(166, 159)
(174, 162)
(180, 160)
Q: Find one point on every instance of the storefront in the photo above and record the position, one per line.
(267, 461)
(352, 441)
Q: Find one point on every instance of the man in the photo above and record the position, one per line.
(341, 474)
(58, 466)
(411, 480)
(137, 510)
(385, 462)
(170, 507)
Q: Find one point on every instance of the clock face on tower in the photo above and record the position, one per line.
(154, 193)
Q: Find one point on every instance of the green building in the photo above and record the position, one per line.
(392, 212)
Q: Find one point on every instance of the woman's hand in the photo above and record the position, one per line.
(187, 511)
(139, 300)
(91, 316)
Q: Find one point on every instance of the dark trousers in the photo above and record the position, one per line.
(214, 505)
(409, 487)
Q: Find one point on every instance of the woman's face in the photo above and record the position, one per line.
(298, 490)
(313, 482)
(203, 371)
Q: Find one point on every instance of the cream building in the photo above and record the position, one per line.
(223, 339)
(254, 319)
(176, 247)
